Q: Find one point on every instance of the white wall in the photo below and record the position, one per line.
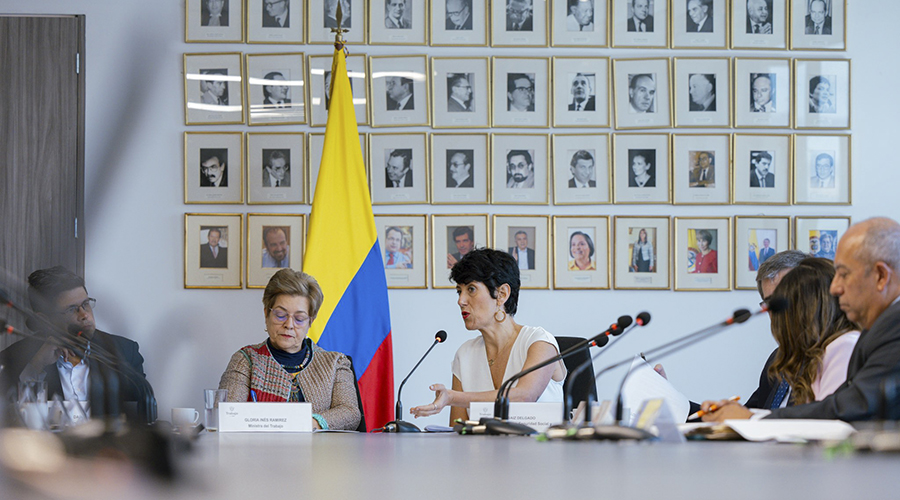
(134, 217)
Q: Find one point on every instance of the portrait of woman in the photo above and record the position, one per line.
(288, 366)
(581, 251)
(706, 260)
(642, 257)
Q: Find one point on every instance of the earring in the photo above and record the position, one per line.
(502, 317)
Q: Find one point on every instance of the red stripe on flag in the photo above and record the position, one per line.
(376, 386)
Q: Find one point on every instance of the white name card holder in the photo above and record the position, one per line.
(538, 416)
(265, 417)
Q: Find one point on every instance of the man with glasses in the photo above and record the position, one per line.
(460, 93)
(519, 92)
(518, 15)
(65, 317)
(213, 167)
(459, 15)
(519, 169)
(459, 168)
(276, 172)
(275, 14)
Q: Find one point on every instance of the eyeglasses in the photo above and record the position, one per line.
(209, 168)
(282, 316)
(87, 306)
(280, 168)
(530, 90)
(517, 166)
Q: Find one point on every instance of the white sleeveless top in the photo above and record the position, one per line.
(470, 365)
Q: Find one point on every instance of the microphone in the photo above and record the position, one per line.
(398, 424)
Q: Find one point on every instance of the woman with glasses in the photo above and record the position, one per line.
(288, 366)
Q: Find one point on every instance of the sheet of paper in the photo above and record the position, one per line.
(644, 383)
(791, 430)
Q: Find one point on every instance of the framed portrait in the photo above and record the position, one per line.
(275, 88)
(521, 92)
(762, 89)
(822, 94)
(702, 92)
(581, 92)
(212, 250)
(401, 239)
(699, 24)
(759, 24)
(819, 236)
(320, 88)
(275, 168)
(213, 92)
(579, 23)
(213, 167)
(397, 22)
(581, 252)
(519, 23)
(642, 93)
(819, 24)
(581, 174)
(640, 23)
(459, 22)
(274, 241)
(641, 168)
(459, 168)
(527, 239)
(762, 170)
(403, 159)
(822, 173)
(275, 21)
(519, 169)
(399, 91)
(322, 15)
(701, 173)
(452, 237)
(760, 238)
(213, 21)
(314, 159)
(642, 253)
(702, 254)
(460, 90)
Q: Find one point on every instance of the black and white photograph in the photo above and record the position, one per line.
(521, 92)
(459, 165)
(459, 168)
(642, 93)
(759, 24)
(642, 173)
(454, 236)
(762, 166)
(822, 169)
(822, 93)
(520, 23)
(581, 252)
(213, 167)
(460, 91)
(699, 24)
(519, 174)
(397, 22)
(213, 89)
(640, 23)
(762, 93)
(642, 253)
(641, 168)
(275, 21)
(527, 240)
(212, 250)
(459, 22)
(581, 91)
(701, 173)
(275, 168)
(702, 92)
(702, 254)
(756, 240)
(579, 23)
(274, 241)
(323, 19)
(275, 88)
(818, 24)
(399, 91)
(581, 169)
(213, 21)
(403, 159)
(319, 82)
(762, 169)
(403, 247)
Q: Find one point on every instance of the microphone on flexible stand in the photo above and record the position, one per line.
(398, 424)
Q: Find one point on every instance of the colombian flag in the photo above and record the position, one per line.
(342, 253)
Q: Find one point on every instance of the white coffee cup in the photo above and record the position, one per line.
(185, 418)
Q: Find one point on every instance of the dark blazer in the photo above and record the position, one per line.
(648, 23)
(530, 252)
(407, 179)
(763, 395)
(204, 180)
(223, 18)
(754, 179)
(286, 182)
(393, 105)
(750, 25)
(527, 25)
(697, 107)
(694, 177)
(207, 259)
(765, 253)
(651, 182)
(466, 25)
(272, 22)
(453, 106)
(707, 26)
(590, 105)
(591, 183)
(811, 26)
(467, 183)
(875, 358)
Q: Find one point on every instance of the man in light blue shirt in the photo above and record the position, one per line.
(277, 252)
(393, 257)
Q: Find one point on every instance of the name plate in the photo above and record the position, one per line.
(265, 417)
(538, 416)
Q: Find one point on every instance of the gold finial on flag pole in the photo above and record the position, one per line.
(339, 31)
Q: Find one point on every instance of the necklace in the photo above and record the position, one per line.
(491, 360)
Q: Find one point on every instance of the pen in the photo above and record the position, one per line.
(712, 408)
(253, 395)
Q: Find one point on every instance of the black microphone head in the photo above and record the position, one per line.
(440, 336)
(643, 318)
(741, 315)
(4, 298)
(624, 322)
(777, 304)
(602, 340)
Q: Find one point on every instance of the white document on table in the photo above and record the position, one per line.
(791, 430)
(645, 383)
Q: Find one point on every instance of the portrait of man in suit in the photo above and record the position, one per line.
(642, 93)
(463, 237)
(397, 170)
(643, 168)
(212, 253)
(519, 169)
(519, 15)
(824, 169)
(703, 173)
(762, 92)
(214, 13)
(213, 167)
(276, 168)
(459, 15)
(582, 168)
(818, 22)
(641, 20)
(758, 20)
(523, 254)
(394, 257)
(520, 92)
(276, 14)
(459, 168)
(399, 94)
(702, 90)
(331, 14)
(397, 15)
(276, 251)
(215, 90)
(766, 251)
(820, 95)
(459, 93)
(583, 98)
(761, 167)
(581, 15)
(700, 16)
(277, 95)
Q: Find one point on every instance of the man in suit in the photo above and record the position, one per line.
(519, 92)
(277, 252)
(399, 94)
(214, 92)
(824, 177)
(277, 168)
(393, 257)
(699, 18)
(331, 14)
(211, 253)
(583, 98)
(817, 22)
(64, 310)
(464, 238)
(397, 172)
(581, 15)
(641, 20)
(276, 96)
(642, 93)
(276, 14)
(214, 13)
(766, 252)
(867, 285)
(758, 22)
(760, 176)
(214, 167)
(460, 90)
(519, 15)
(459, 168)
(393, 15)
(519, 169)
(523, 255)
(762, 92)
(459, 15)
(702, 89)
(582, 168)
(705, 173)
